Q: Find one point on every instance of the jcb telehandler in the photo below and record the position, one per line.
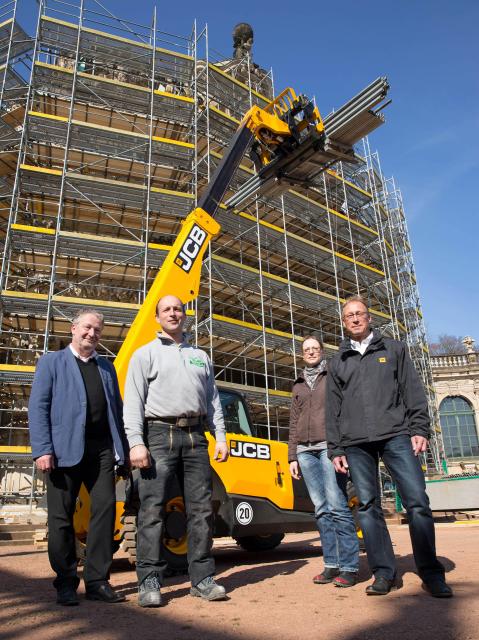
(255, 500)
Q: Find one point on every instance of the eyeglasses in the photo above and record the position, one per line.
(312, 350)
(358, 314)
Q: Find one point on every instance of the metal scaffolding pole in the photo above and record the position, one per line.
(146, 235)
(58, 227)
(21, 148)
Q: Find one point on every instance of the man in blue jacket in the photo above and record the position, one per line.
(77, 436)
(376, 408)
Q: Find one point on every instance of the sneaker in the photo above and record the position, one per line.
(208, 589)
(327, 576)
(346, 579)
(149, 594)
(67, 596)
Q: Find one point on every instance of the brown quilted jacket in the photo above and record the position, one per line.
(307, 421)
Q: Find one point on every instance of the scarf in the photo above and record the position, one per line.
(311, 373)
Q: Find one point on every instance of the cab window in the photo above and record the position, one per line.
(236, 418)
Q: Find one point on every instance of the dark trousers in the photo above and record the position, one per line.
(405, 469)
(96, 471)
(172, 450)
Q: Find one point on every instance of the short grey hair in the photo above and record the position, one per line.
(86, 311)
(350, 299)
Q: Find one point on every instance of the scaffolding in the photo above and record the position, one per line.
(109, 132)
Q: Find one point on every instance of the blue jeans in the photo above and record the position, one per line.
(183, 451)
(405, 469)
(327, 490)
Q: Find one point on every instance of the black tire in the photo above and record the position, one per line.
(177, 563)
(128, 536)
(260, 543)
(80, 550)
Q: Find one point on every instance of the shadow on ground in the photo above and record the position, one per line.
(284, 560)
(27, 608)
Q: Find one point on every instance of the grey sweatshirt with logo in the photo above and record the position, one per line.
(167, 379)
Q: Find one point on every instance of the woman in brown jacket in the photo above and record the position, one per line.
(327, 489)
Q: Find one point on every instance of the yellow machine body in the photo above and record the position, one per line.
(81, 517)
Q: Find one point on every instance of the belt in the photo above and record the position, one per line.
(178, 422)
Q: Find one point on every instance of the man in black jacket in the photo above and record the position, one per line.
(376, 407)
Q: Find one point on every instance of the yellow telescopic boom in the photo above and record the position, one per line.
(180, 274)
(289, 142)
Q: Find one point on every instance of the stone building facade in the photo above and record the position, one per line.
(456, 383)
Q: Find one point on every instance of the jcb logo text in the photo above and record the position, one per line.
(190, 248)
(240, 449)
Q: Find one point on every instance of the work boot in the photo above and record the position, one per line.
(149, 594)
(208, 589)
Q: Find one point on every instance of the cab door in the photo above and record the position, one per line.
(257, 467)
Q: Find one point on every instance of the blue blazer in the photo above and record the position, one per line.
(58, 404)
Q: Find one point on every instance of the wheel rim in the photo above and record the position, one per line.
(175, 538)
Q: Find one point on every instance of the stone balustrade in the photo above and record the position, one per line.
(460, 360)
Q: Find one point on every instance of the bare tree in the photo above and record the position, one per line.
(447, 345)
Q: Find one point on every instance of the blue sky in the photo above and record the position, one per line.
(428, 49)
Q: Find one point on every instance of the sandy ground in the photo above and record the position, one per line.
(271, 596)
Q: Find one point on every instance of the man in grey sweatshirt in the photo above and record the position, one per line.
(170, 397)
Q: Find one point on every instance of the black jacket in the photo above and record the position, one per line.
(373, 396)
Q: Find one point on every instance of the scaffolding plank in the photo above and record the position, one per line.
(52, 79)
(115, 53)
(115, 143)
(46, 182)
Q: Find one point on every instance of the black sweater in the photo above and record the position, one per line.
(96, 426)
